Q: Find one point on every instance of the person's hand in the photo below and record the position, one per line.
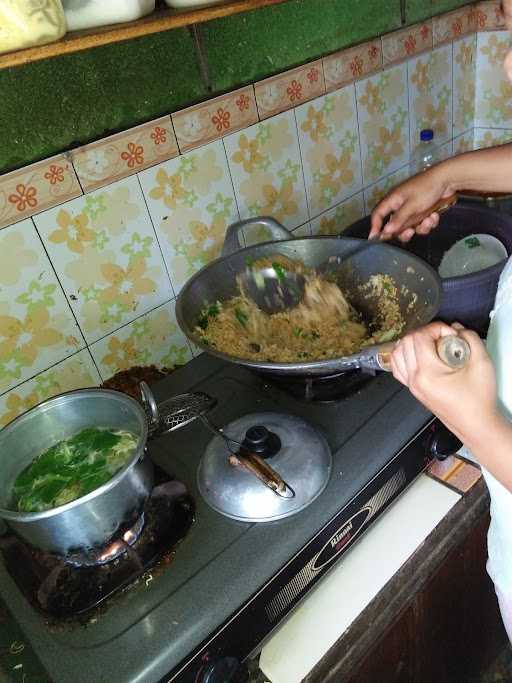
(463, 399)
(406, 202)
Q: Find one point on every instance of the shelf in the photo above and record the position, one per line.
(160, 20)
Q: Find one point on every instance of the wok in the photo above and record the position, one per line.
(418, 284)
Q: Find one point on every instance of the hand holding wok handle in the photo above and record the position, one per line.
(267, 475)
(453, 350)
(440, 206)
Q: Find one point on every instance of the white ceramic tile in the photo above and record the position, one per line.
(191, 202)
(37, 327)
(464, 79)
(430, 95)
(152, 339)
(374, 193)
(464, 142)
(330, 148)
(493, 89)
(490, 137)
(75, 372)
(383, 122)
(265, 165)
(107, 257)
(338, 219)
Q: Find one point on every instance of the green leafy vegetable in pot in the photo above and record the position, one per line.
(72, 468)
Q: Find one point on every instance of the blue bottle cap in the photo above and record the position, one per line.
(427, 135)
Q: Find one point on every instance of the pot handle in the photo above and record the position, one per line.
(232, 242)
(150, 407)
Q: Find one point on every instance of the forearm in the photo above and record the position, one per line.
(492, 447)
(485, 170)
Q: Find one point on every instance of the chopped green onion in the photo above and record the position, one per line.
(280, 271)
(241, 316)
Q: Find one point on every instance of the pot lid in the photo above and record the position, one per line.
(303, 460)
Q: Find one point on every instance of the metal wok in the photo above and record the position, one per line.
(418, 284)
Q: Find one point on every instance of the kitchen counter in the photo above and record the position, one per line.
(403, 628)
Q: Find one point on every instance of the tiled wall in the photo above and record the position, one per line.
(96, 244)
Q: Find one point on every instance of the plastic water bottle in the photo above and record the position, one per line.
(425, 155)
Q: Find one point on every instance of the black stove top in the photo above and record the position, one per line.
(150, 631)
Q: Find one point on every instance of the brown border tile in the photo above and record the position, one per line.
(488, 16)
(125, 153)
(215, 118)
(453, 25)
(37, 187)
(289, 89)
(407, 42)
(348, 65)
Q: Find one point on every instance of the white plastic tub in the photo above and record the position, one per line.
(82, 14)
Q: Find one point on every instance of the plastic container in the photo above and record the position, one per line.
(81, 14)
(26, 24)
(471, 254)
(425, 154)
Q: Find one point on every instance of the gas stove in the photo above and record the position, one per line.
(195, 619)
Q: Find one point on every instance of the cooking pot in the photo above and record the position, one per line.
(467, 299)
(419, 286)
(93, 519)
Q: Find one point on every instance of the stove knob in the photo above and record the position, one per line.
(444, 443)
(224, 670)
(259, 440)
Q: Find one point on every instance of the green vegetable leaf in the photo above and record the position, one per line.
(297, 331)
(280, 271)
(241, 316)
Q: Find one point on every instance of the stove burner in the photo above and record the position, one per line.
(110, 552)
(321, 389)
(68, 587)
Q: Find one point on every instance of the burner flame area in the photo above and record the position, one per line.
(111, 552)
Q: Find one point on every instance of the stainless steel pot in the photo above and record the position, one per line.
(418, 284)
(89, 521)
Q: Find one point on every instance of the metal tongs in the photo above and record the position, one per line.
(180, 410)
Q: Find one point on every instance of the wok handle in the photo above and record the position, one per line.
(232, 242)
(452, 350)
(267, 475)
(440, 206)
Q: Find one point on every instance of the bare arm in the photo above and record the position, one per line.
(484, 170)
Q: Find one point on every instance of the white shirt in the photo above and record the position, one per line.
(499, 346)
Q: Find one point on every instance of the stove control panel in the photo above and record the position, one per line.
(223, 670)
(444, 443)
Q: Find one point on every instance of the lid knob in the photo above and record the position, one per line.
(259, 440)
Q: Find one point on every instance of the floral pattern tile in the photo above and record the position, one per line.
(125, 153)
(153, 339)
(493, 90)
(37, 327)
(339, 218)
(383, 122)
(430, 95)
(75, 372)
(287, 90)
(453, 25)
(488, 15)
(35, 188)
(464, 78)
(191, 202)
(374, 193)
(265, 165)
(105, 252)
(215, 118)
(409, 41)
(346, 66)
(330, 148)
(491, 137)
(464, 142)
